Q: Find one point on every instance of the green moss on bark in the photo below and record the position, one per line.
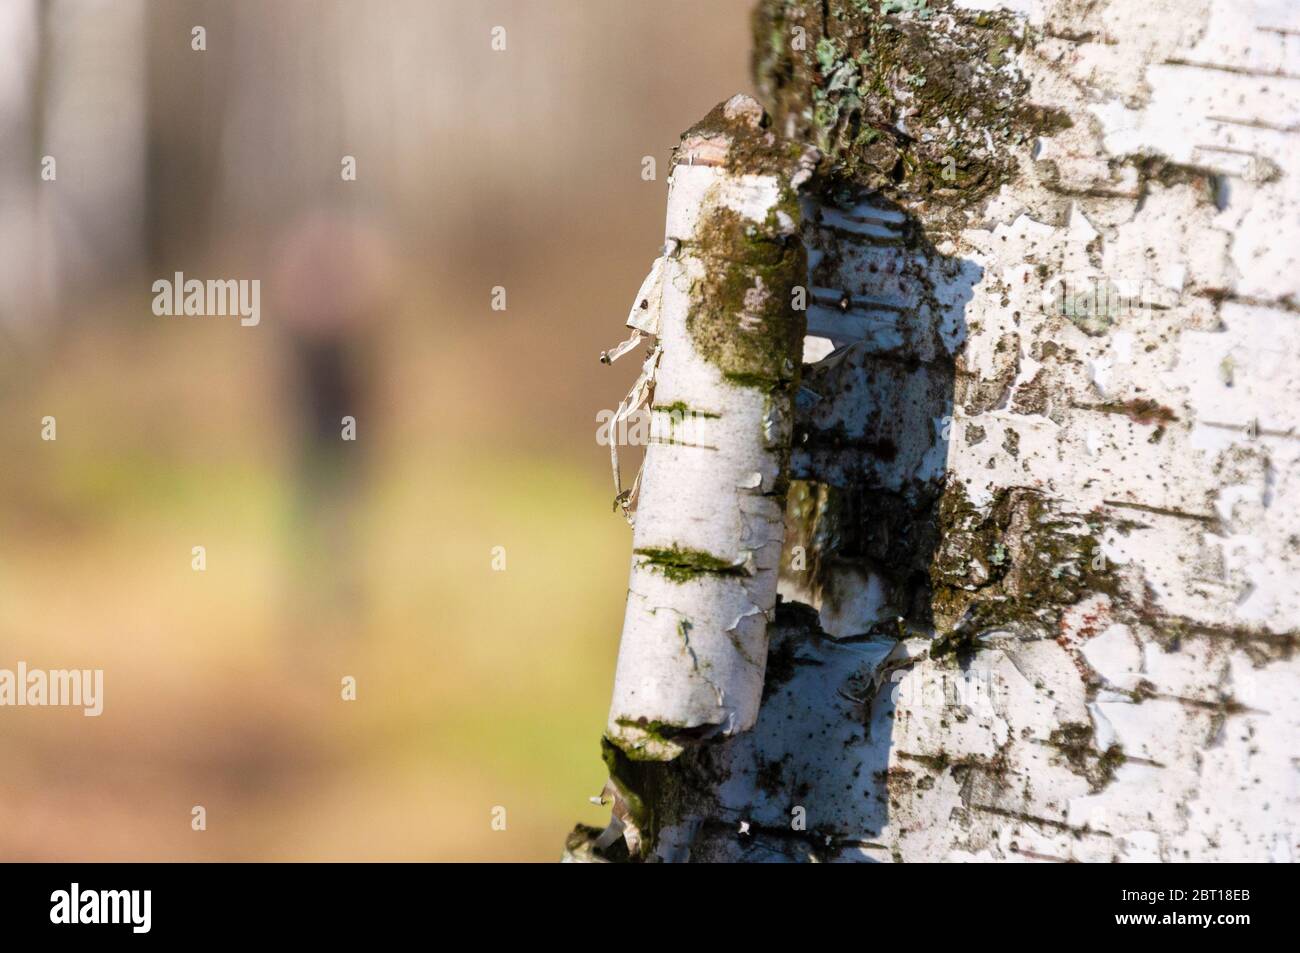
(1014, 561)
(658, 794)
(1076, 742)
(683, 565)
(742, 320)
(915, 100)
(681, 409)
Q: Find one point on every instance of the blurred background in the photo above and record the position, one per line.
(477, 687)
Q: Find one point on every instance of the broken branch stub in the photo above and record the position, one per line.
(708, 531)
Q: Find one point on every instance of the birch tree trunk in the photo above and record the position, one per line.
(1042, 559)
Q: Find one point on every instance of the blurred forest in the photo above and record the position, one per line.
(476, 428)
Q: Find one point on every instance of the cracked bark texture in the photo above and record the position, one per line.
(1042, 554)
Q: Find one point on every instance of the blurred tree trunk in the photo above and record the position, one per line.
(71, 176)
(26, 286)
(187, 92)
(1042, 563)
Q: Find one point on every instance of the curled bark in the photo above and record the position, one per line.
(708, 535)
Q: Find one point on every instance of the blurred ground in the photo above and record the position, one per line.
(476, 688)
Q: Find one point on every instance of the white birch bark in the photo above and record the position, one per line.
(1108, 669)
(708, 535)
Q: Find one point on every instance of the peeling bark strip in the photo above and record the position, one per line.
(708, 534)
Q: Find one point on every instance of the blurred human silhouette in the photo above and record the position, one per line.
(330, 284)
